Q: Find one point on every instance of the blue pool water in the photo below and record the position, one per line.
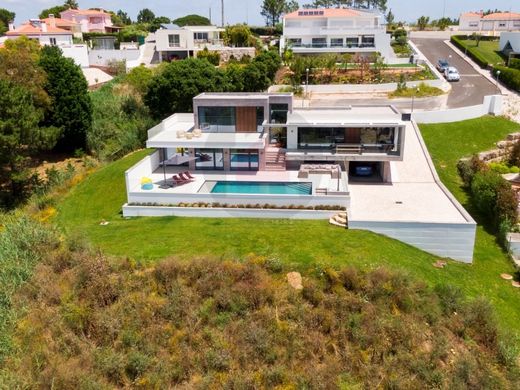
(243, 158)
(261, 187)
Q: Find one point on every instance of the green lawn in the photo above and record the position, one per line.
(487, 49)
(302, 244)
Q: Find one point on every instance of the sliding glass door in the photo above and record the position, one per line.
(209, 159)
(244, 159)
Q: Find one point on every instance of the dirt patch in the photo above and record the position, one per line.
(295, 280)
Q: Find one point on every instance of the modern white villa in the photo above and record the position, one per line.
(497, 21)
(335, 30)
(174, 42)
(256, 155)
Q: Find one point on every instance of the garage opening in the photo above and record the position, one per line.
(365, 172)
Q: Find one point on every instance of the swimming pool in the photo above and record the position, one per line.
(262, 187)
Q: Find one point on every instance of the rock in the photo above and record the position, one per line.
(295, 280)
(506, 276)
(513, 136)
(515, 284)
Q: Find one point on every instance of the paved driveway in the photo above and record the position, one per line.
(472, 87)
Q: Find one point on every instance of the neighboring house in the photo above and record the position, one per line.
(510, 43)
(338, 30)
(64, 24)
(90, 20)
(46, 34)
(498, 21)
(257, 155)
(173, 42)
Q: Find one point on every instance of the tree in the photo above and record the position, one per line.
(20, 137)
(124, 18)
(70, 109)
(145, 16)
(6, 17)
(422, 22)
(56, 10)
(192, 20)
(71, 4)
(158, 22)
(238, 35)
(390, 18)
(272, 10)
(234, 76)
(19, 65)
(255, 77)
(173, 89)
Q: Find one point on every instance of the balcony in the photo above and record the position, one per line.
(202, 43)
(332, 46)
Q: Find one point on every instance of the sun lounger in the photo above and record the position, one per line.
(188, 174)
(185, 177)
(177, 180)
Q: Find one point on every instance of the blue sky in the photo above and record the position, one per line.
(249, 10)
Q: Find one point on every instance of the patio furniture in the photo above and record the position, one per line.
(181, 133)
(188, 174)
(177, 180)
(185, 177)
(189, 135)
(197, 133)
(146, 184)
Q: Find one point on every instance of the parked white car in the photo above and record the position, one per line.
(452, 74)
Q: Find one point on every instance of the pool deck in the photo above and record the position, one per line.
(318, 180)
(414, 195)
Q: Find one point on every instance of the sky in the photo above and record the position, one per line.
(248, 11)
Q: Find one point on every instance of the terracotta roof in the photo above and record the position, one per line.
(30, 29)
(323, 12)
(60, 22)
(86, 12)
(502, 16)
(468, 14)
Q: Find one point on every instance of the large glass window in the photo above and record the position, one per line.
(174, 40)
(320, 137)
(319, 42)
(368, 40)
(217, 119)
(259, 118)
(352, 41)
(200, 36)
(279, 113)
(296, 42)
(336, 42)
(244, 159)
(209, 159)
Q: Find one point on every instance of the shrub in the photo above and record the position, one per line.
(213, 57)
(475, 55)
(514, 63)
(509, 77)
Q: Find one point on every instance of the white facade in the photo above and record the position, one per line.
(335, 31)
(184, 41)
(499, 21)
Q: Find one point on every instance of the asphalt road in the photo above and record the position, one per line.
(471, 88)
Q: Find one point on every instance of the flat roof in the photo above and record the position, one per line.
(365, 115)
(241, 95)
(169, 139)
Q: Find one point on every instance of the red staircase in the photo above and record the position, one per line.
(274, 159)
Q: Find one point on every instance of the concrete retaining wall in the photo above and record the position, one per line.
(492, 105)
(143, 211)
(447, 240)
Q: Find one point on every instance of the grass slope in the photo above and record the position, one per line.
(302, 244)
(487, 49)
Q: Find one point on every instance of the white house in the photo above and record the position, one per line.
(256, 155)
(174, 42)
(338, 30)
(497, 21)
(46, 34)
(510, 43)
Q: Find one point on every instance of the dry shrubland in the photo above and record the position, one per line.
(89, 323)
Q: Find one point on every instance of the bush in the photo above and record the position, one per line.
(514, 63)
(475, 56)
(213, 57)
(508, 76)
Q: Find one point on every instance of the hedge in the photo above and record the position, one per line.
(475, 56)
(508, 76)
(514, 63)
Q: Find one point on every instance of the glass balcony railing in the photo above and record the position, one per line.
(333, 45)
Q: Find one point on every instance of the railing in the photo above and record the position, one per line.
(207, 128)
(358, 149)
(206, 42)
(333, 46)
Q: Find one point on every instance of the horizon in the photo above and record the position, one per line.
(248, 11)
